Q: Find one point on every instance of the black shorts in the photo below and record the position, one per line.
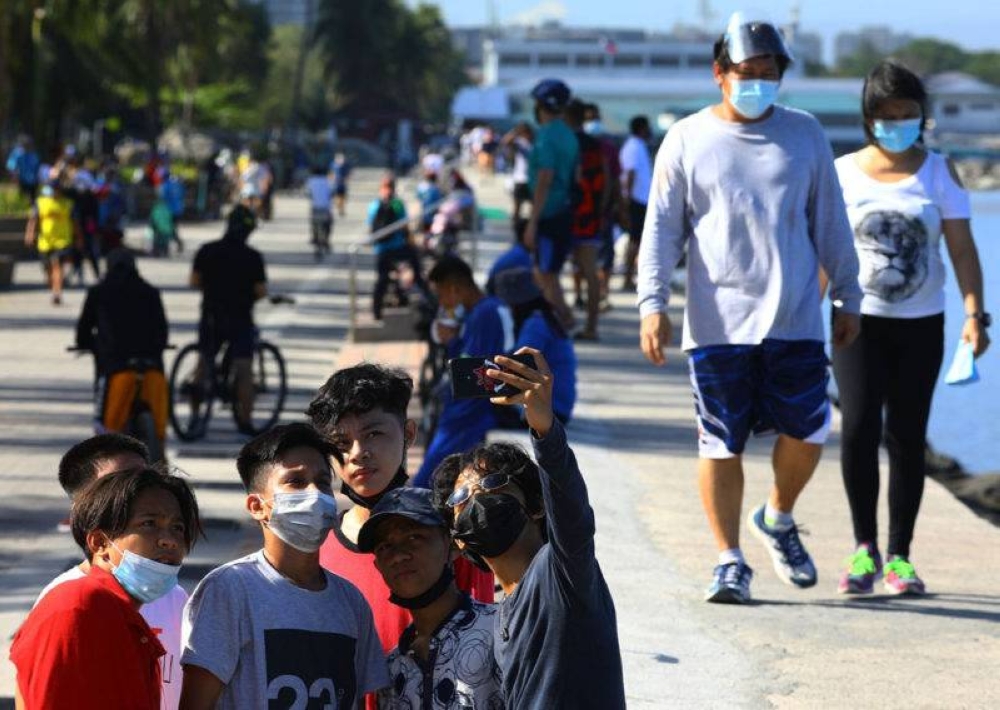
(636, 220)
(522, 192)
(212, 336)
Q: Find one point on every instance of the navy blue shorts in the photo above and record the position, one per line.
(553, 242)
(241, 339)
(777, 386)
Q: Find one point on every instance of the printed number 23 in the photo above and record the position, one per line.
(319, 688)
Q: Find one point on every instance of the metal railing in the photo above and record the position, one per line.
(354, 250)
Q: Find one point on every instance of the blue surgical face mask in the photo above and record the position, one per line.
(593, 128)
(752, 97)
(303, 519)
(896, 136)
(144, 579)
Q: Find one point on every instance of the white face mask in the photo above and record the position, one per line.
(303, 520)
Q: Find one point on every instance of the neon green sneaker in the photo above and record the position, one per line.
(863, 568)
(901, 578)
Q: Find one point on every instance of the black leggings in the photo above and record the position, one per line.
(894, 364)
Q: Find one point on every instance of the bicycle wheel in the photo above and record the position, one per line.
(270, 386)
(143, 428)
(190, 399)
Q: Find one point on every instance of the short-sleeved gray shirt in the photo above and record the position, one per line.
(274, 644)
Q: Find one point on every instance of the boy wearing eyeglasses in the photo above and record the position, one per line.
(447, 652)
(555, 636)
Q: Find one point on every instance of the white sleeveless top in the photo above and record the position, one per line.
(897, 234)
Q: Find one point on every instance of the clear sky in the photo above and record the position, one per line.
(972, 24)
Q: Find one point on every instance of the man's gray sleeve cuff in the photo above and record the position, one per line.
(651, 305)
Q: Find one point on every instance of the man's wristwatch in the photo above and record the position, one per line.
(984, 318)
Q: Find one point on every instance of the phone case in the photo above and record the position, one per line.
(469, 378)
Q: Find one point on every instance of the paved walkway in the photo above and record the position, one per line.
(634, 437)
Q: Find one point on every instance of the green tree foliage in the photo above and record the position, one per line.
(926, 56)
(276, 96)
(385, 59)
(931, 56)
(985, 66)
(165, 61)
(859, 63)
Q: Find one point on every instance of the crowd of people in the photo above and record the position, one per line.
(383, 605)
(391, 603)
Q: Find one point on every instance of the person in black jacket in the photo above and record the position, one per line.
(124, 325)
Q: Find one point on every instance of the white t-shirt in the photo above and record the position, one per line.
(522, 149)
(433, 163)
(634, 156)
(320, 192)
(164, 618)
(268, 639)
(897, 234)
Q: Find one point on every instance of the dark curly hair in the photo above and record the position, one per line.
(358, 390)
(500, 457)
(106, 504)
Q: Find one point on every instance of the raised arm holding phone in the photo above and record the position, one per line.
(556, 639)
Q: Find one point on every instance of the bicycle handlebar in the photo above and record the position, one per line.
(78, 349)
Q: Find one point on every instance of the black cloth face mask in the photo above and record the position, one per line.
(490, 523)
(398, 481)
(430, 596)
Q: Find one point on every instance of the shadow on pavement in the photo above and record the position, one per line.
(939, 605)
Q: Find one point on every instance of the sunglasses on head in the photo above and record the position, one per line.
(487, 483)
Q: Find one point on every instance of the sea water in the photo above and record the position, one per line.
(965, 419)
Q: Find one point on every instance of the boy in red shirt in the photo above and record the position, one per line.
(135, 528)
(363, 410)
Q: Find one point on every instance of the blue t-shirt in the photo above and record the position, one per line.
(556, 148)
(429, 195)
(556, 637)
(25, 164)
(538, 333)
(487, 330)
(341, 171)
(517, 257)
(395, 240)
(173, 195)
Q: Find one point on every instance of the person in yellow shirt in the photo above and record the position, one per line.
(52, 231)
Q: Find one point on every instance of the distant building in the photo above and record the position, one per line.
(880, 38)
(808, 48)
(469, 41)
(961, 103)
(634, 71)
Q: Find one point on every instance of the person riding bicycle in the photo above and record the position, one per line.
(320, 193)
(123, 323)
(231, 277)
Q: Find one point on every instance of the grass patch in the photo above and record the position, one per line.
(12, 202)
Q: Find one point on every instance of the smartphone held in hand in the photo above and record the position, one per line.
(469, 378)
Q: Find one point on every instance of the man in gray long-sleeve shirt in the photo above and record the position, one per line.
(750, 188)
